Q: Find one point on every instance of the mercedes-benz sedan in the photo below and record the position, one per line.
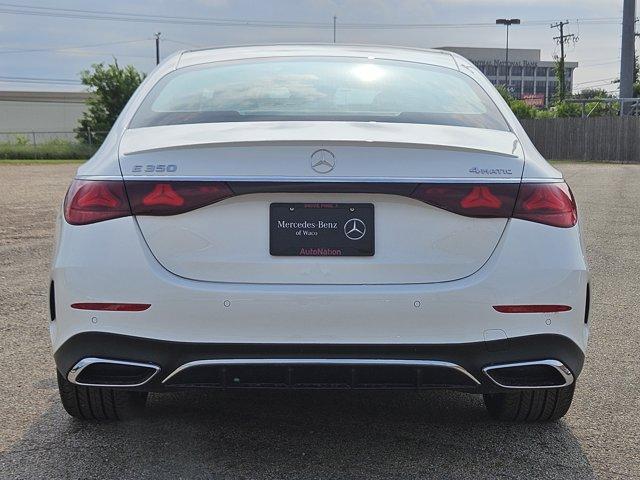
(301, 217)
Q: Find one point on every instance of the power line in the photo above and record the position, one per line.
(16, 9)
(594, 81)
(11, 79)
(55, 49)
(132, 17)
(602, 86)
(180, 42)
(591, 65)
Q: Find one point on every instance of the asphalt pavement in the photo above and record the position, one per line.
(321, 435)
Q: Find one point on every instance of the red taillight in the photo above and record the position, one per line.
(480, 200)
(90, 201)
(163, 194)
(549, 203)
(531, 308)
(171, 198)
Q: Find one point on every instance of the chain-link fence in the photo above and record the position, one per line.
(49, 145)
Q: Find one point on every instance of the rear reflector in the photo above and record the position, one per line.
(531, 308)
(112, 307)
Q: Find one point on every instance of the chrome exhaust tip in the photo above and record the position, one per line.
(527, 375)
(102, 372)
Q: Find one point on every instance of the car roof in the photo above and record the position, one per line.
(219, 54)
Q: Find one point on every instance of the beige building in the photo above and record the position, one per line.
(528, 74)
(48, 114)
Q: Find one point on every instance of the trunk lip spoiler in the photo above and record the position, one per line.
(283, 179)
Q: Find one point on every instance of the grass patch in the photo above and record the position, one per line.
(54, 149)
(586, 162)
(53, 161)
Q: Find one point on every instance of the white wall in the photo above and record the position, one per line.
(24, 116)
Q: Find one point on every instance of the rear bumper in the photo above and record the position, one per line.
(110, 262)
(175, 365)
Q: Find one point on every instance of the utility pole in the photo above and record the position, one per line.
(562, 39)
(157, 35)
(508, 22)
(334, 28)
(627, 51)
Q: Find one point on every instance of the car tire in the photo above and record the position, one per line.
(100, 404)
(535, 405)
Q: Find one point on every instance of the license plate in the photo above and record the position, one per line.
(321, 229)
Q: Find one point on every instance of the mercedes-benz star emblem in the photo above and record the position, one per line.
(323, 161)
(355, 229)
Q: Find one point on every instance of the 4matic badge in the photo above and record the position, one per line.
(490, 171)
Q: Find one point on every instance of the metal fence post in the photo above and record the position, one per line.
(35, 145)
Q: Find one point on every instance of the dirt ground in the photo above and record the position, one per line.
(321, 435)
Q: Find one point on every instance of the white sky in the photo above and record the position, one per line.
(30, 45)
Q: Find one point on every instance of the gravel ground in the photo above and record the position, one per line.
(321, 435)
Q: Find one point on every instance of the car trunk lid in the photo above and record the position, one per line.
(265, 163)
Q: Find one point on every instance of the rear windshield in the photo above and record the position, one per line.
(323, 88)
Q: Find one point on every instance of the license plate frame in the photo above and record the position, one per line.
(322, 229)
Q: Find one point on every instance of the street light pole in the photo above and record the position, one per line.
(508, 22)
(334, 28)
(157, 35)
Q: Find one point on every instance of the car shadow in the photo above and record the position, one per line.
(298, 434)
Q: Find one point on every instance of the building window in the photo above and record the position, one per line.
(516, 71)
(528, 71)
(502, 71)
(541, 87)
(541, 72)
(528, 86)
(567, 73)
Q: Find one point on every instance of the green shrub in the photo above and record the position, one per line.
(542, 114)
(566, 109)
(22, 149)
(522, 109)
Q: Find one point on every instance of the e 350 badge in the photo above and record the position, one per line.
(154, 168)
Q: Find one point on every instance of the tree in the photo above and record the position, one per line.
(588, 93)
(111, 87)
(506, 94)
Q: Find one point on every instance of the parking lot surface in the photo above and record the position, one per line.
(321, 435)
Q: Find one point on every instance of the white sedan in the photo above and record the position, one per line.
(318, 216)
